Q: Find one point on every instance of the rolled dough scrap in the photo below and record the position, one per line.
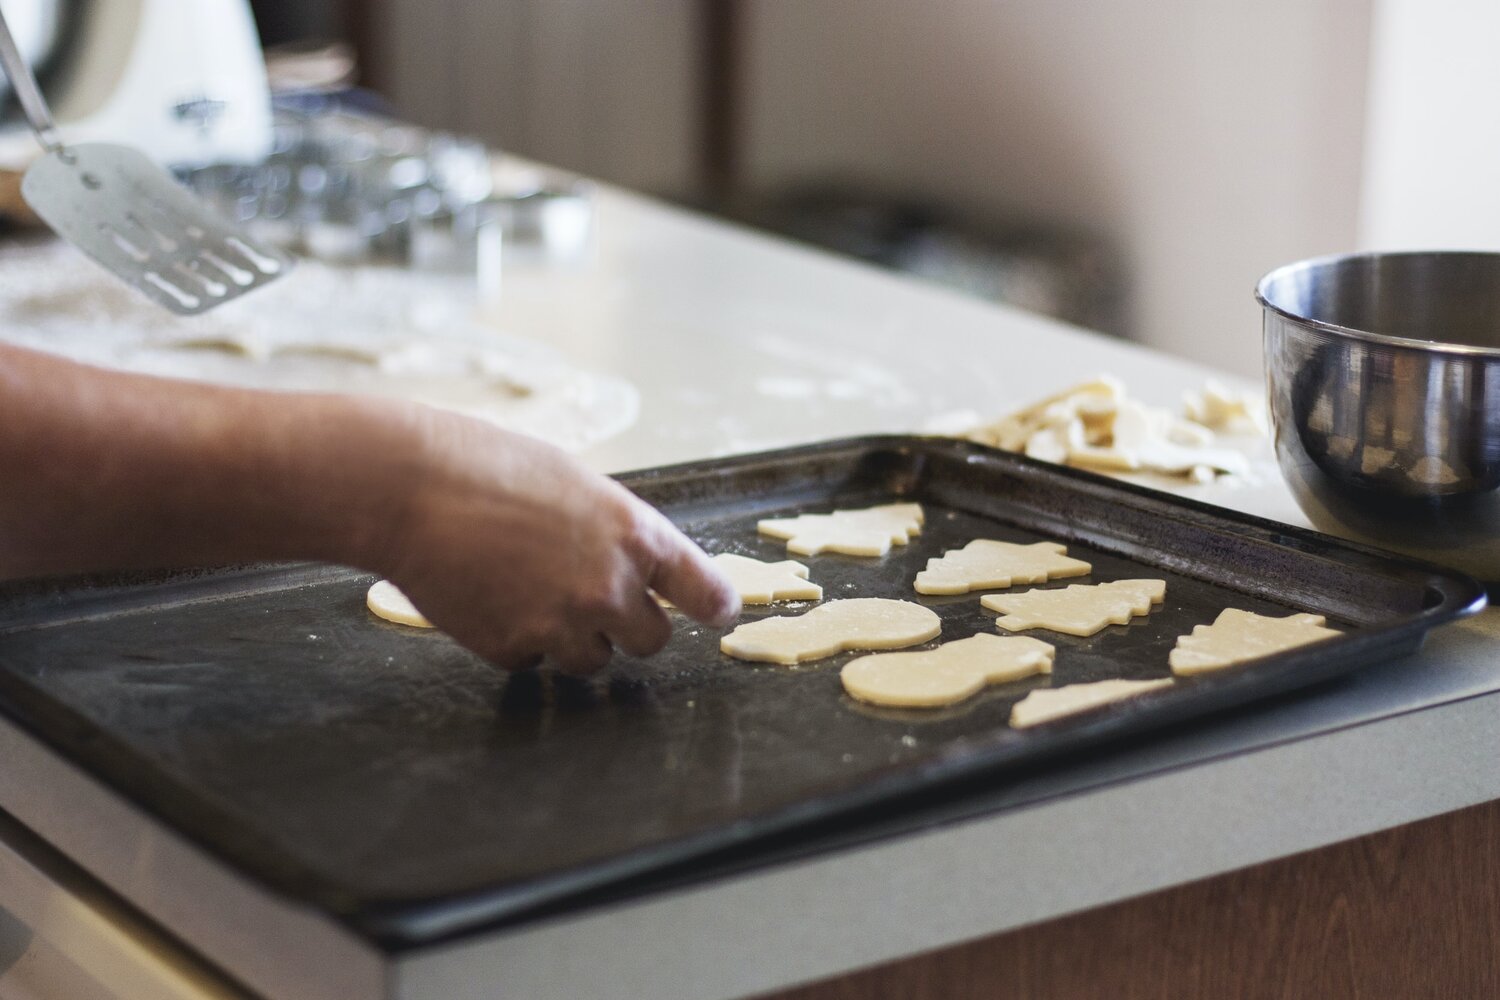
(358, 353)
(1237, 636)
(1046, 704)
(1220, 408)
(1077, 610)
(985, 564)
(246, 344)
(376, 330)
(952, 672)
(868, 532)
(858, 623)
(387, 601)
(1087, 401)
(1096, 426)
(765, 582)
(1143, 437)
(1166, 444)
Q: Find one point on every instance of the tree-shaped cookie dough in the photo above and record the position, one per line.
(859, 623)
(985, 564)
(952, 672)
(1237, 636)
(868, 532)
(1077, 610)
(766, 583)
(1045, 704)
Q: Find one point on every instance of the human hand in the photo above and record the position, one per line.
(511, 546)
(518, 552)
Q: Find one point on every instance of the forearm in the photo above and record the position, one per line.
(106, 470)
(512, 547)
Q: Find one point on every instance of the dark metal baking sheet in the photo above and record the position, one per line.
(383, 774)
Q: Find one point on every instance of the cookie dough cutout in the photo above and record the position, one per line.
(1077, 610)
(387, 601)
(985, 564)
(954, 671)
(858, 623)
(1046, 704)
(868, 532)
(760, 582)
(1237, 636)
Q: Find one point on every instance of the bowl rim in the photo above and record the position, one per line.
(1390, 340)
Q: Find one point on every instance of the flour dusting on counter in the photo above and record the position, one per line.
(378, 331)
(832, 374)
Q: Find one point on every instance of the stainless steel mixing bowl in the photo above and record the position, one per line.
(1384, 378)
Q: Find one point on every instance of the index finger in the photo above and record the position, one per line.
(686, 576)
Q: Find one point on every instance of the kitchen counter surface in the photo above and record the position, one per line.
(738, 342)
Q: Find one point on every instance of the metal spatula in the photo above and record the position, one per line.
(127, 213)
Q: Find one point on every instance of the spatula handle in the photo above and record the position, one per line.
(27, 91)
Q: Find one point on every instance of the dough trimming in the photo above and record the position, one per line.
(387, 601)
(1045, 704)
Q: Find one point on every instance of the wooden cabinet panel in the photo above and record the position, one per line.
(1410, 913)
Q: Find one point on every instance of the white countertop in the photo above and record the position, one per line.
(738, 342)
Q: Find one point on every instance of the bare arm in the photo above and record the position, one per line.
(508, 544)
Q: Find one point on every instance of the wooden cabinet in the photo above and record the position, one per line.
(1406, 914)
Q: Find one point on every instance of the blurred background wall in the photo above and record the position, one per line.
(1432, 155)
(1134, 165)
(1203, 140)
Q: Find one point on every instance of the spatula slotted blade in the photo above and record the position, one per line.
(127, 213)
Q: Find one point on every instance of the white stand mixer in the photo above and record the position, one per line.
(183, 80)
